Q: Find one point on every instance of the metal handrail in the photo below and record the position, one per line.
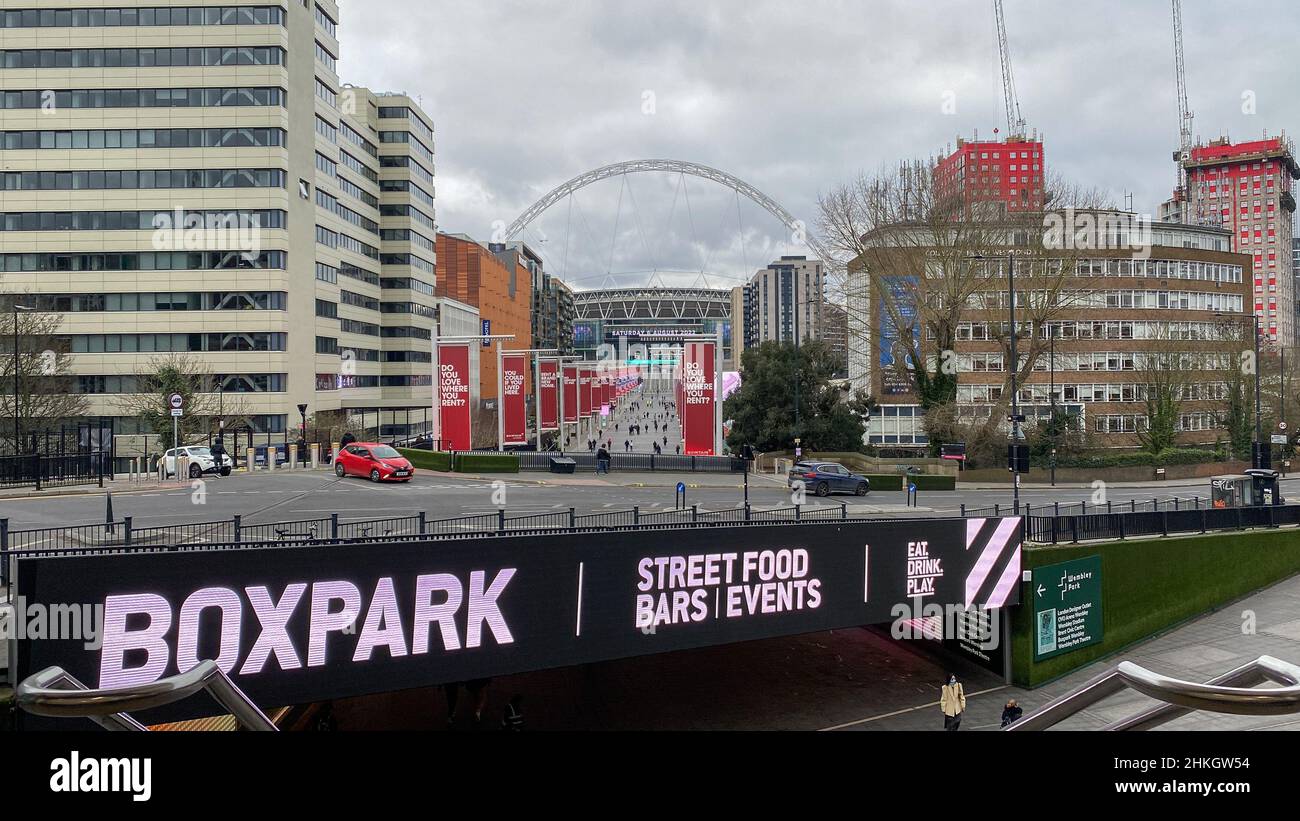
(1232, 693)
(56, 693)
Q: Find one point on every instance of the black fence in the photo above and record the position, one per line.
(1174, 503)
(586, 461)
(124, 536)
(1083, 527)
(40, 471)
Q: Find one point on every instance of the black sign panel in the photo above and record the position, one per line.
(294, 625)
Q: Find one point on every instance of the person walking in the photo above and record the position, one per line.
(513, 720)
(1011, 713)
(602, 460)
(347, 439)
(952, 701)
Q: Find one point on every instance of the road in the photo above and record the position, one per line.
(286, 496)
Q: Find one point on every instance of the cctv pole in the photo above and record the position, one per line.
(1015, 389)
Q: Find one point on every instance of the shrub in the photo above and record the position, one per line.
(427, 460)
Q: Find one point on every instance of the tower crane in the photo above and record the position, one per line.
(1015, 122)
(1185, 116)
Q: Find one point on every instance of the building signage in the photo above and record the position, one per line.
(572, 396)
(299, 624)
(1067, 607)
(548, 393)
(697, 392)
(453, 382)
(514, 402)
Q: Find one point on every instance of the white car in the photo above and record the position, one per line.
(201, 461)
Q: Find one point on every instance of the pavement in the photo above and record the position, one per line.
(1197, 651)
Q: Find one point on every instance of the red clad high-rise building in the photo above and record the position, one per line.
(1247, 189)
(1010, 172)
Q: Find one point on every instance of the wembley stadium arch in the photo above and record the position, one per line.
(798, 227)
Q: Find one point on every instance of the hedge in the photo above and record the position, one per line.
(1173, 456)
(1149, 586)
(925, 482)
(427, 459)
(486, 463)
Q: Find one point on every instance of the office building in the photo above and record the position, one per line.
(195, 179)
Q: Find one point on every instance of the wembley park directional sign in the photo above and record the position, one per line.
(299, 624)
(1067, 607)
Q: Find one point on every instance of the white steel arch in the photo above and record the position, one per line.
(704, 172)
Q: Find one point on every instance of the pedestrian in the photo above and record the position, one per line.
(627, 445)
(665, 441)
(513, 720)
(478, 689)
(1011, 713)
(347, 439)
(451, 691)
(218, 453)
(952, 701)
(602, 460)
(679, 450)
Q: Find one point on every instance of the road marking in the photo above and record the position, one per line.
(905, 710)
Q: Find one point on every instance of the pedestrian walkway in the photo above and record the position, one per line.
(1198, 651)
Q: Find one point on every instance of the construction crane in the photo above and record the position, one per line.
(1185, 116)
(1015, 122)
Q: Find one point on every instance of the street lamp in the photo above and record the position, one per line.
(17, 410)
(1256, 449)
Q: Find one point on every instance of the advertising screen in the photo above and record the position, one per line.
(299, 624)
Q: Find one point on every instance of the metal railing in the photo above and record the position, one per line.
(55, 693)
(40, 471)
(124, 537)
(1232, 693)
(530, 460)
(1052, 529)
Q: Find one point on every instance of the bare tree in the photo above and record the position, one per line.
(190, 377)
(45, 397)
(924, 260)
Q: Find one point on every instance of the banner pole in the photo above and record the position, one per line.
(436, 429)
(501, 400)
(717, 393)
(537, 396)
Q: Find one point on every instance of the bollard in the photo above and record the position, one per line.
(250, 457)
(293, 457)
(315, 458)
(334, 452)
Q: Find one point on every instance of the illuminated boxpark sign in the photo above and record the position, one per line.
(293, 625)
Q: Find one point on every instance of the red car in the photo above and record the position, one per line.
(379, 463)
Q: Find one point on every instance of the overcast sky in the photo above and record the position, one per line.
(792, 97)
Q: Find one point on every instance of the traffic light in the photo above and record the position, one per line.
(1018, 458)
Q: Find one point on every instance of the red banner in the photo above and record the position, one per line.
(587, 387)
(698, 394)
(454, 410)
(572, 410)
(514, 403)
(549, 394)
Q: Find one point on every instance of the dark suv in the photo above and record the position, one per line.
(825, 478)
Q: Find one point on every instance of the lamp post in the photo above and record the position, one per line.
(17, 410)
(1015, 388)
(1255, 460)
(1051, 358)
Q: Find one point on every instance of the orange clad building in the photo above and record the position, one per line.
(500, 288)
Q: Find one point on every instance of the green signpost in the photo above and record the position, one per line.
(1067, 607)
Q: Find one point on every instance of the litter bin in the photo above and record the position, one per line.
(563, 464)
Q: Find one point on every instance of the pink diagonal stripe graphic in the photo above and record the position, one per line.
(1007, 583)
(979, 573)
(972, 530)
